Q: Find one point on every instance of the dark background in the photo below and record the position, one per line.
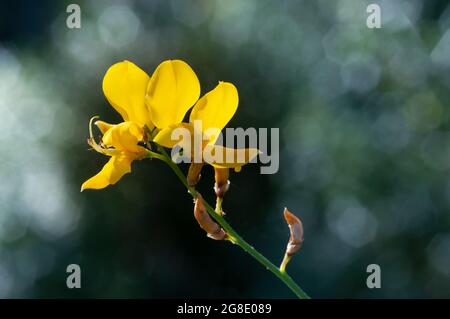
(364, 149)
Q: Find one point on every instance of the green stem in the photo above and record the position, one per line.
(219, 201)
(235, 238)
(284, 263)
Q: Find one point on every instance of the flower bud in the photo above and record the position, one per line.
(193, 176)
(222, 183)
(296, 231)
(205, 221)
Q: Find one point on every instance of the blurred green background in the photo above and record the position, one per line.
(364, 149)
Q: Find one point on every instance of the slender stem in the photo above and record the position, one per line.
(219, 201)
(234, 236)
(284, 263)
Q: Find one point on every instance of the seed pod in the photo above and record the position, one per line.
(205, 221)
(193, 176)
(296, 231)
(222, 183)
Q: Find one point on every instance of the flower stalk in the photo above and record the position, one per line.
(233, 236)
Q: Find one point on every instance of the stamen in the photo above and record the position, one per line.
(91, 135)
(99, 148)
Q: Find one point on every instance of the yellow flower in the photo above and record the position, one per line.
(120, 142)
(158, 104)
(160, 100)
(214, 110)
(144, 103)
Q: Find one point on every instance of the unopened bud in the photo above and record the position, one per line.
(222, 183)
(193, 176)
(296, 230)
(205, 221)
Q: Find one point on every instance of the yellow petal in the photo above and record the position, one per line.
(103, 126)
(111, 173)
(171, 92)
(216, 108)
(124, 137)
(178, 134)
(225, 157)
(124, 85)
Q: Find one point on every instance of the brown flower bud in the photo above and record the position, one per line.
(205, 221)
(296, 230)
(222, 183)
(193, 176)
